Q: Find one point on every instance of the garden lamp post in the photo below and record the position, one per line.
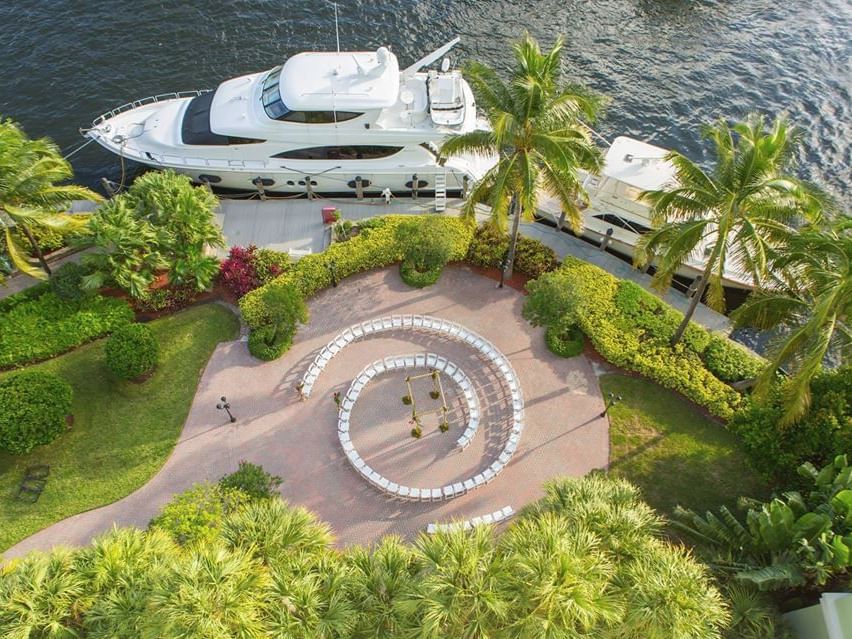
(333, 272)
(611, 401)
(504, 262)
(226, 406)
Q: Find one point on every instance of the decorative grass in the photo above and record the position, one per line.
(122, 433)
(675, 454)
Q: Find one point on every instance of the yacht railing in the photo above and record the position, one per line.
(151, 99)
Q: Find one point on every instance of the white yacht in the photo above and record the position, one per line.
(345, 123)
(616, 214)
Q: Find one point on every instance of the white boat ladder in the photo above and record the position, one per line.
(440, 192)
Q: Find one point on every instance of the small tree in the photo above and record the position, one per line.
(253, 481)
(285, 308)
(426, 244)
(552, 300)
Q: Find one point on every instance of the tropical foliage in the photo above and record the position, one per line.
(734, 217)
(825, 431)
(796, 540)
(426, 246)
(162, 223)
(246, 269)
(812, 299)
(587, 561)
(539, 134)
(490, 244)
(32, 198)
(131, 352)
(285, 308)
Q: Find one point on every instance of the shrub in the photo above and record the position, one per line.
(48, 239)
(238, 272)
(196, 515)
(552, 300)
(270, 264)
(166, 299)
(35, 405)
(533, 257)
(131, 351)
(67, 282)
(417, 279)
(818, 437)
(730, 362)
(565, 340)
(425, 242)
(263, 345)
(37, 325)
(621, 320)
(374, 247)
(253, 481)
(489, 244)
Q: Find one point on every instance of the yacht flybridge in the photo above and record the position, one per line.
(617, 215)
(337, 123)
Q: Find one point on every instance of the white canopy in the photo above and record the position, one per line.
(343, 81)
(638, 164)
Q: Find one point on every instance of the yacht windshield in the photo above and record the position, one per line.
(277, 110)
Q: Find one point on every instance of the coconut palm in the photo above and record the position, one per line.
(539, 134)
(30, 196)
(813, 298)
(736, 214)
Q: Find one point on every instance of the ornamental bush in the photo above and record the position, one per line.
(375, 246)
(425, 242)
(36, 324)
(131, 351)
(729, 361)
(263, 344)
(35, 405)
(823, 433)
(565, 340)
(489, 244)
(253, 481)
(631, 328)
(196, 516)
(238, 272)
(417, 279)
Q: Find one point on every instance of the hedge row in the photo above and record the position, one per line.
(489, 244)
(37, 325)
(631, 328)
(375, 246)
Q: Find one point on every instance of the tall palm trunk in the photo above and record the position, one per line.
(513, 242)
(696, 299)
(36, 248)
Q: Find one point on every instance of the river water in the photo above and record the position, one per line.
(668, 65)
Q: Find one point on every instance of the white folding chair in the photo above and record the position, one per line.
(479, 480)
(504, 457)
(410, 361)
(448, 492)
(420, 360)
(431, 360)
(507, 512)
(404, 492)
(396, 321)
(488, 475)
(387, 323)
(417, 321)
(468, 485)
(383, 482)
(437, 494)
(357, 331)
(431, 529)
(407, 321)
(488, 519)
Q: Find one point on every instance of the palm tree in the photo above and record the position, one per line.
(735, 214)
(30, 196)
(813, 297)
(539, 134)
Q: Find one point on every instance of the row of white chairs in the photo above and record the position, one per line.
(453, 331)
(420, 360)
(491, 518)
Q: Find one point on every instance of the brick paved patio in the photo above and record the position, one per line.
(297, 440)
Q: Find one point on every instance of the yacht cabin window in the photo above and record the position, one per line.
(350, 152)
(277, 110)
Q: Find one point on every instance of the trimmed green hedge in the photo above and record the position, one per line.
(259, 348)
(564, 341)
(131, 351)
(631, 328)
(34, 406)
(416, 279)
(37, 325)
(729, 361)
(489, 244)
(375, 246)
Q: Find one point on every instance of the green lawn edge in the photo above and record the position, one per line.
(673, 452)
(123, 432)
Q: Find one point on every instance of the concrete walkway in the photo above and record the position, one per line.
(564, 432)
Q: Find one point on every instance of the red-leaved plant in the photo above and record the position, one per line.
(238, 273)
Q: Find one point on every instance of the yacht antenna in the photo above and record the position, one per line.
(336, 27)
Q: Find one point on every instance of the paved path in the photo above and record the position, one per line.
(297, 440)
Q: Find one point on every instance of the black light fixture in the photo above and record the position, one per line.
(611, 401)
(226, 406)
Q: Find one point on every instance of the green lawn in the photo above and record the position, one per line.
(123, 432)
(676, 455)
